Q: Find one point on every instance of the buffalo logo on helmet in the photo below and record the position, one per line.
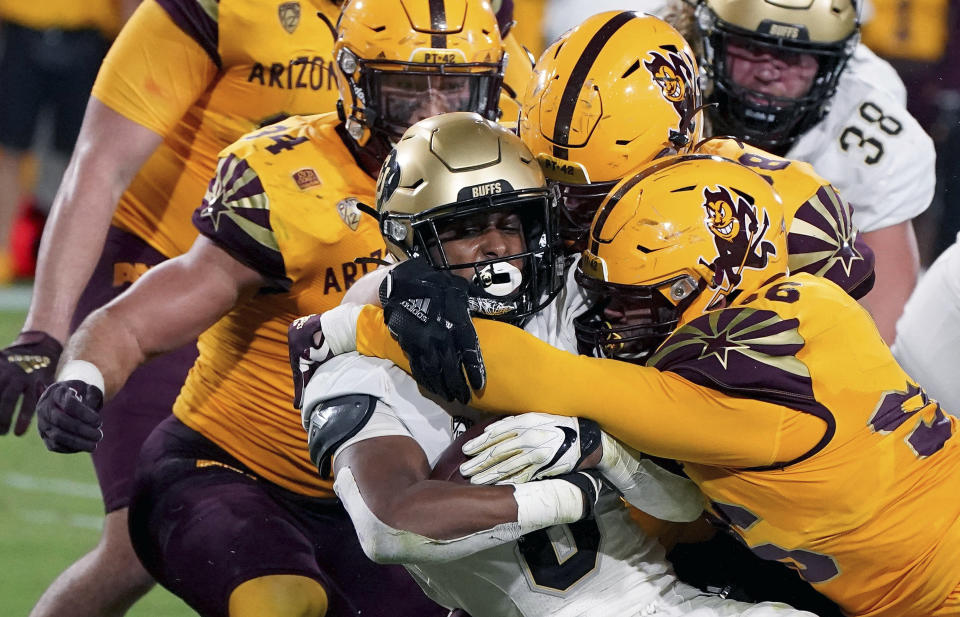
(389, 179)
(738, 235)
(673, 71)
(289, 13)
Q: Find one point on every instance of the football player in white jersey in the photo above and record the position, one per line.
(560, 547)
(928, 333)
(793, 80)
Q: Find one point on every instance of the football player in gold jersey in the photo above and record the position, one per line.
(621, 90)
(227, 511)
(184, 79)
(775, 389)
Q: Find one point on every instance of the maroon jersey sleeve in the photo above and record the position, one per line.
(199, 21)
(235, 214)
(823, 241)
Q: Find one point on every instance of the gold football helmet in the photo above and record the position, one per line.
(449, 173)
(828, 30)
(686, 235)
(398, 61)
(609, 96)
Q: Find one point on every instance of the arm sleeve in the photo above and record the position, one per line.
(235, 215)
(154, 71)
(653, 411)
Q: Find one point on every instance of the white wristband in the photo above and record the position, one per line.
(84, 371)
(545, 503)
(340, 327)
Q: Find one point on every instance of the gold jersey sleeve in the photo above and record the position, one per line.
(284, 202)
(154, 71)
(528, 28)
(746, 434)
(908, 29)
(821, 236)
(103, 15)
(202, 74)
(856, 482)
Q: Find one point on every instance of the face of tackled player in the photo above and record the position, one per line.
(491, 242)
(468, 196)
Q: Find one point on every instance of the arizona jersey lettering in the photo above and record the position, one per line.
(213, 72)
(283, 202)
(795, 421)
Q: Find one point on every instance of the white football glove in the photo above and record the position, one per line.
(529, 447)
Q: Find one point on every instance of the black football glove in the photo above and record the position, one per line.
(428, 312)
(26, 368)
(68, 416)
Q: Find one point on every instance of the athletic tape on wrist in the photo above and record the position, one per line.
(340, 327)
(81, 370)
(648, 487)
(545, 503)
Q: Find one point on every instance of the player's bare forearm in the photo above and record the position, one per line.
(165, 309)
(108, 154)
(897, 268)
(393, 476)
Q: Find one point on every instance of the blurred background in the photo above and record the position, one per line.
(50, 508)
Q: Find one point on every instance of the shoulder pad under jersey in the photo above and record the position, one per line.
(237, 208)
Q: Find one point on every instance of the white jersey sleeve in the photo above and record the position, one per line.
(561, 15)
(870, 147)
(928, 332)
(401, 408)
(554, 324)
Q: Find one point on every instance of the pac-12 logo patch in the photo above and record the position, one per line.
(348, 211)
(289, 13)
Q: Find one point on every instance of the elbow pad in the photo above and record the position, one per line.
(648, 486)
(331, 423)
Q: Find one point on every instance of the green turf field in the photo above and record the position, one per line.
(50, 515)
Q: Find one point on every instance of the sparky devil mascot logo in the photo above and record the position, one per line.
(738, 235)
(674, 72)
